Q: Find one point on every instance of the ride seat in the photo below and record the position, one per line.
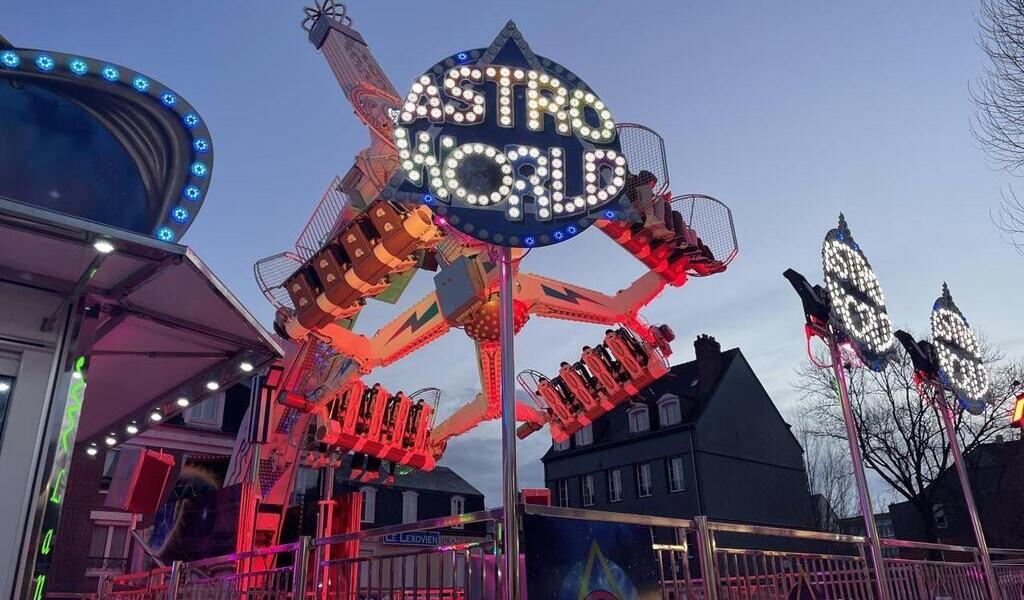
(331, 265)
(303, 288)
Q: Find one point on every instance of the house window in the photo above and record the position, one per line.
(668, 410)
(208, 414)
(939, 514)
(109, 465)
(614, 485)
(563, 492)
(108, 548)
(676, 483)
(409, 510)
(560, 446)
(369, 504)
(588, 490)
(458, 508)
(639, 419)
(307, 486)
(585, 436)
(643, 480)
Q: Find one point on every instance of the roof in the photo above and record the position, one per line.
(165, 325)
(682, 381)
(440, 479)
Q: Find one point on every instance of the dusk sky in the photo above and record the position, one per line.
(789, 112)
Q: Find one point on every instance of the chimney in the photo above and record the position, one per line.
(709, 362)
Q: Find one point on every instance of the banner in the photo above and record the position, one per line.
(569, 559)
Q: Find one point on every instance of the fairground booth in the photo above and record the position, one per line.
(106, 323)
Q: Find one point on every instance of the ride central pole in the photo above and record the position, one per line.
(965, 484)
(871, 530)
(510, 521)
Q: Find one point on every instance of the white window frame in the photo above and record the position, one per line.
(585, 436)
(939, 516)
(562, 492)
(663, 404)
(676, 480)
(410, 506)
(216, 421)
(644, 485)
(458, 508)
(615, 485)
(634, 414)
(587, 489)
(561, 446)
(369, 504)
(110, 520)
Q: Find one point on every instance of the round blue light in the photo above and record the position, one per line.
(529, 241)
(78, 66)
(461, 56)
(180, 214)
(165, 234)
(571, 229)
(168, 99)
(609, 214)
(140, 83)
(201, 145)
(110, 73)
(199, 169)
(427, 199)
(45, 62)
(191, 120)
(558, 235)
(193, 193)
(10, 59)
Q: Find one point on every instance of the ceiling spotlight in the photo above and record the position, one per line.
(246, 366)
(4, 386)
(91, 451)
(155, 416)
(103, 246)
(213, 386)
(132, 429)
(182, 402)
(111, 440)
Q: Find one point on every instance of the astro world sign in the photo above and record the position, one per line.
(509, 147)
(857, 304)
(958, 354)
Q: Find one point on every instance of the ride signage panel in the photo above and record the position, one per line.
(414, 538)
(958, 354)
(509, 147)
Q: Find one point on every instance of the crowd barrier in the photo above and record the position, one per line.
(694, 559)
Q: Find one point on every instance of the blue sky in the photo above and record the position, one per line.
(787, 111)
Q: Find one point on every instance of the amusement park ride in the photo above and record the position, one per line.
(318, 404)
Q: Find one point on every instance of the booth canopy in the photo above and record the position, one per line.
(165, 327)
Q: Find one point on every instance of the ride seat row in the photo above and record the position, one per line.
(387, 426)
(355, 264)
(604, 377)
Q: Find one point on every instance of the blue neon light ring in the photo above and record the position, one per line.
(193, 181)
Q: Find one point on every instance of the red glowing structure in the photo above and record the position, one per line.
(358, 246)
(1017, 419)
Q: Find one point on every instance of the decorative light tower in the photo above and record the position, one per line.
(849, 312)
(952, 361)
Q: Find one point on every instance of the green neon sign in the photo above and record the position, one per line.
(59, 469)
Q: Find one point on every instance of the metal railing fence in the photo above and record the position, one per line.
(456, 558)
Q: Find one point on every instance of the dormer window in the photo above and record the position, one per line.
(669, 412)
(639, 419)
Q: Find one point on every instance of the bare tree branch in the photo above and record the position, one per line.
(900, 435)
(998, 123)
